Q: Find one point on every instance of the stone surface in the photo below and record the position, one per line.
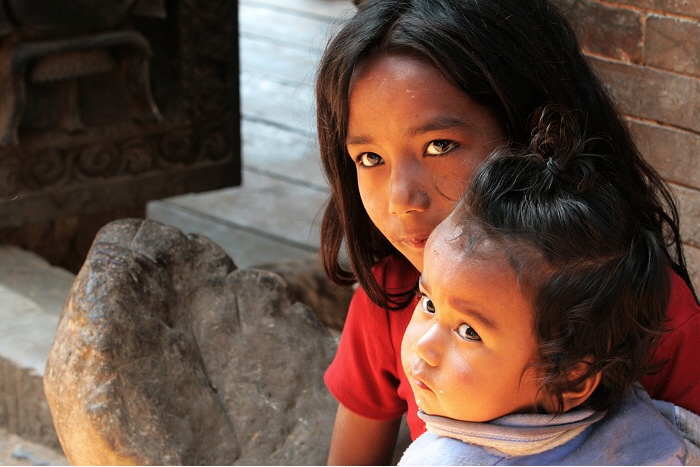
(166, 354)
(32, 294)
(672, 44)
(605, 29)
(152, 111)
(287, 212)
(651, 94)
(674, 153)
(15, 450)
(64, 242)
(309, 285)
(681, 7)
(689, 210)
(692, 254)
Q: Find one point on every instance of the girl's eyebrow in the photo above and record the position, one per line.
(358, 140)
(440, 122)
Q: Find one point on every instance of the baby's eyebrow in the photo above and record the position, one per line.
(464, 308)
(467, 309)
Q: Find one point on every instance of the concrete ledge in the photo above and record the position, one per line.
(32, 293)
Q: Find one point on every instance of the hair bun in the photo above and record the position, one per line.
(555, 133)
(554, 167)
(557, 141)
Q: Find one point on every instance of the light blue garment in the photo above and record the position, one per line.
(635, 432)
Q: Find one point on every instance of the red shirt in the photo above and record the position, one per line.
(366, 375)
(679, 379)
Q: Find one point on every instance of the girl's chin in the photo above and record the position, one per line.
(415, 256)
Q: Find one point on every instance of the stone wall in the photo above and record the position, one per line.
(648, 52)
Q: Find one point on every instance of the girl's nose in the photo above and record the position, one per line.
(427, 347)
(408, 190)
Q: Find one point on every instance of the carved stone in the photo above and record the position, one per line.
(106, 104)
(166, 354)
(307, 283)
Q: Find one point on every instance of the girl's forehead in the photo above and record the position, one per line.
(410, 95)
(394, 68)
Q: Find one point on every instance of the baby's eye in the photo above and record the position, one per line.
(369, 159)
(467, 332)
(440, 146)
(426, 305)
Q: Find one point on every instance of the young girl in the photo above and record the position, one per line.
(412, 95)
(541, 297)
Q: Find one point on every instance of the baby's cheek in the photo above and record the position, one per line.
(409, 339)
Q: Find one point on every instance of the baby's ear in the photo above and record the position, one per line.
(575, 397)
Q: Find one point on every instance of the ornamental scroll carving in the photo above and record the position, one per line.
(117, 108)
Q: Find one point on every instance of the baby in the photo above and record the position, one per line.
(542, 296)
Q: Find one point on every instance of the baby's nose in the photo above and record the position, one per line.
(428, 346)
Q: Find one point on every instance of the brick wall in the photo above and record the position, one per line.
(648, 53)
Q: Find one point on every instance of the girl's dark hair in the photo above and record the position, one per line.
(512, 56)
(597, 272)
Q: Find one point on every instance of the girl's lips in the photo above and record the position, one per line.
(415, 242)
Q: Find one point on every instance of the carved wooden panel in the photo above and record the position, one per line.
(93, 119)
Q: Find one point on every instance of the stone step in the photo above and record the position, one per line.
(32, 293)
(301, 30)
(15, 450)
(328, 9)
(265, 220)
(286, 105)
(293, 155)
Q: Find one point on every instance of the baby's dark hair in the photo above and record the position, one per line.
(510, 56)
(596, 273)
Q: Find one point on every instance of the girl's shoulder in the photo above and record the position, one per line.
(682, 306)
(677, 351)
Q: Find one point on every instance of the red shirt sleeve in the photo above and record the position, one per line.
(366, 374)
(363, 375)
(679, 379)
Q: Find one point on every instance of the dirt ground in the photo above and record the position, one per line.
(17, 451)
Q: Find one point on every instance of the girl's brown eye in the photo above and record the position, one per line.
(369, 159)
(440, 146)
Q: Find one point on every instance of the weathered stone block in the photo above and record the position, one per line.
(308, 284)
(605, 30)
(653, 94)
(692, 255)
(23, 407)
(681, 7)
(674, 153)
(673, 44)
(689, 207)
(166, 354)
